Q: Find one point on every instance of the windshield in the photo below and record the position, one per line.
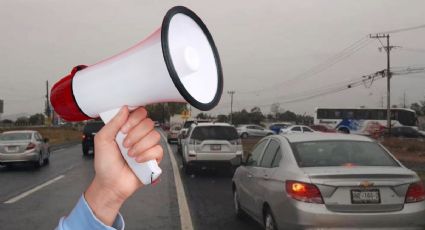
(15, 136)
(215, 133)
(341, 153)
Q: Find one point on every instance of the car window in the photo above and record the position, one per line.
(214, 133)
(15, 136)
(296, 128)
(259, 127)
(269, 154)
(256, 153)
(250, 127)
(38, 137)
(341, 153)
(277, 158)
(307, 129)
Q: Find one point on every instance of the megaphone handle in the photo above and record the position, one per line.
(147, 172)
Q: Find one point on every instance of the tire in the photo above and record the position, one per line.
(269, 221)
(40, 162)
(244, 135)
(240, 214)
(47, 159)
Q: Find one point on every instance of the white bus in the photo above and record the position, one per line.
(365, 121)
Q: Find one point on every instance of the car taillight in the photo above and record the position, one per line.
(83, 136)
(30, 146)
(415, 193)
(304, 192)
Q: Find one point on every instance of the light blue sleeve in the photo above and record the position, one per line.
(82, 217)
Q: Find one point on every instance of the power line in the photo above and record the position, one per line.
(343, 54)
(403, 29)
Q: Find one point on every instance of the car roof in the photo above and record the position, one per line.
(302, 137)
(213, 124)
(20, 131)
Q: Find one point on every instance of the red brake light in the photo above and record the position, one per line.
(83, 136)
(304, 192)
(415, 193)
(30, 146)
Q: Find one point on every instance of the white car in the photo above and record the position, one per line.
(297, 129)
(246, 131)
(211, 144)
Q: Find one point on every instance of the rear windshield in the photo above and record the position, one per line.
(341, 153)
(214, 133)
(15, 136)
(93, 127)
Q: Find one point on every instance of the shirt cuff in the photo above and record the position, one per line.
(82, 217)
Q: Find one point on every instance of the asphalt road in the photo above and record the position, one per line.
(208, 195)
(153, 207)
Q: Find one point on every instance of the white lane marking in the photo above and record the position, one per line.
(33, 190)
(185, 218)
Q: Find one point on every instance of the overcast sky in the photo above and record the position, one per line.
(263, 46)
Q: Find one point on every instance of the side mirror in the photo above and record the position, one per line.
(246, 157)
(46, 140)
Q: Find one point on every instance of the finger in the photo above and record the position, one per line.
(138, 132)
(110, 130)
(147, 142)
(135, 118)
(154, 153)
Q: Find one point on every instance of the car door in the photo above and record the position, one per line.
(250, 129)
(262, 182)
(246, 176)
(260, 131)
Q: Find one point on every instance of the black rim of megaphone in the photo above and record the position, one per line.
(169, 62)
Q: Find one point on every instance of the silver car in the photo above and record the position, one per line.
(319, 180)
(23, 146)
(296, 129)
(211, 144)
(246, 131)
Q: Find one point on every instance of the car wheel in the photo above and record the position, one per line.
(237, 206)
(40, 161)
(269, 222)
(244, 135)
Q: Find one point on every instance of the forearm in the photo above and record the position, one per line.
(104, 202)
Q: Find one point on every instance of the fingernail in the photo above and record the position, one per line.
(131, 152)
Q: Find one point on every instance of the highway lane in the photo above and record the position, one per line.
(210, 198)
(153, 207)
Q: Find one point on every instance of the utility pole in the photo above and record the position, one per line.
(232, 92)
(404, 99)
(388, 73)
(47, 111)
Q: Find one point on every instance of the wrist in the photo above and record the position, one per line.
(103, 201)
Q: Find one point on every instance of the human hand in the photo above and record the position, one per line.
(114, 181)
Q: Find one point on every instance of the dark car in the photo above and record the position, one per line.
(406, 131)
(90, 129)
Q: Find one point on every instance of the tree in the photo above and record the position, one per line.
(22, 121)
(36, 119)
(7, 121)
(202, 116)
(256, 116)
(222, 118)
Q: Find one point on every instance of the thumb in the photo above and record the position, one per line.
(111, 129)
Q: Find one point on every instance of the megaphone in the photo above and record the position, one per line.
(179, 62)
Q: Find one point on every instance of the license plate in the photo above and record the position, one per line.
(215, 147)
(12, 149)
(370, 196)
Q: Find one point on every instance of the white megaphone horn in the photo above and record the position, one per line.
(179, 62)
